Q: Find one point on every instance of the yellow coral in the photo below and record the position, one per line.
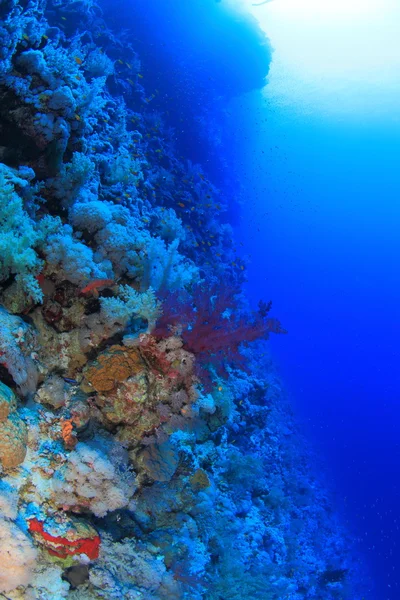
(112, 367)
(8, 401)
(199, 480)
(13, 440)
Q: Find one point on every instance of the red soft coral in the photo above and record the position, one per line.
(211, 332)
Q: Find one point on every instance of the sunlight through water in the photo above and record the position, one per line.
(336, 56)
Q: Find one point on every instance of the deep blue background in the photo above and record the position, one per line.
(320, 220)
(322, 226)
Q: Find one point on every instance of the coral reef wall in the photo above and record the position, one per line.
(146, 449)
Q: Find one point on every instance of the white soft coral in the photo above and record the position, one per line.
(94, 479)
(17, 556)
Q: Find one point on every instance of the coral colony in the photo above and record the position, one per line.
(146, 449)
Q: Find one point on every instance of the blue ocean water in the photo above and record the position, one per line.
(169, 438)
(328, 246)
(319, 221)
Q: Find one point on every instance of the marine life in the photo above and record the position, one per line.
(147, 449)
(96, 285)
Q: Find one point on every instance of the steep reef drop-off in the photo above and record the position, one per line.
(146, 448)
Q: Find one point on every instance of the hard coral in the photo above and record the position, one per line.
(112, 367)
(8, 401)
(18, 347)
(13, 433)
(138, 386)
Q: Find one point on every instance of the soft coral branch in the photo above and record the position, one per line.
(210, 329)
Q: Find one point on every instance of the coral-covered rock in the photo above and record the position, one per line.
(199, 480)
(111, 367)
(13, 440)
(8, 401)
(143, 387)
(18, 351)
(13, 433)
(128, 403)
(64, 537)
(53, 392)
(160, 461)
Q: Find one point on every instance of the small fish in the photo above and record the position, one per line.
(78, 60)
(158, 150)
(68, 380)
(64, 18)
(219, 388)
(77, 117)
(26, 37)
(131, 82)
(45, 37)
(140, 76)
(121, 62)
(78, 77)
(94, 285)
(181, 204)
(128, 65)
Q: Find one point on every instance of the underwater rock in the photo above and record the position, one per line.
(18, 351)
(77, 575)
(54, 392)
(159, 461)
(66, 537)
